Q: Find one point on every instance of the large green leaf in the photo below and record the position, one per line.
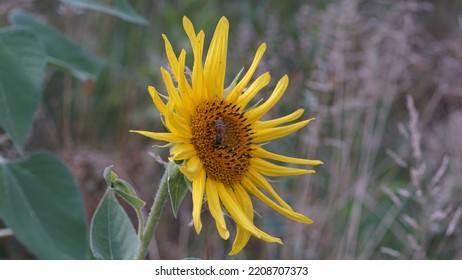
(22, 64)
(61, 50)
(112, 236)
(40, 202)
(118, 8)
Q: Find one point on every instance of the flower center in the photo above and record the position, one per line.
(222, 138)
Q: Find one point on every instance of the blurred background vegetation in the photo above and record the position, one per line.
(383, 79)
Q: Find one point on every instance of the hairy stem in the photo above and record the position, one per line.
(154, 216)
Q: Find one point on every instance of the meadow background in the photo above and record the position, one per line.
(382, 78)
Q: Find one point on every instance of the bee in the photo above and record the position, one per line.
(220, 129)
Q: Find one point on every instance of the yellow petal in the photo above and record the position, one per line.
(176, 124)
(233, 95)
(178, 103)
(192, 168)
(262, 153)
(273, 123)
(198, 73)
(197, 44)
(270, 169)
(162, 136)
(241, 239)
(189, 29)
(268, 238)
(242, 236)
(235, 210)
(213, 200)
(256, 113)
(264, 135)
(256, 86)
(174, 119)
(186, 93)
(286, 212)
(215, 62)
(160, 105)
(198, 187)
(173, 123)
(239, 194)
(257, 180)
(261, 235)
(172, 60)
(183, 151)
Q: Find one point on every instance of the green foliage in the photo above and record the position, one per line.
(178, 187)
(39, 198)
(123, 189)
(22, 64)
(118, 8)
(62, 51)
(40, 202)
(112, 236)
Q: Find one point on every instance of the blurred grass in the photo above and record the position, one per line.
(354, 65)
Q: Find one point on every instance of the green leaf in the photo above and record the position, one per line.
(109, 176)
(61, 50)
(112, 236)
(177, 187)
(22, 65)
(40, 202)
(123, 189)
(119, 8)
(126, 191)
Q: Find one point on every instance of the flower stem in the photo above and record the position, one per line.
(154, 216)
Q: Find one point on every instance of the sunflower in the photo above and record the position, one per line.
(218, 136)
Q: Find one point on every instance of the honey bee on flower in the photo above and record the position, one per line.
(220, 129)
